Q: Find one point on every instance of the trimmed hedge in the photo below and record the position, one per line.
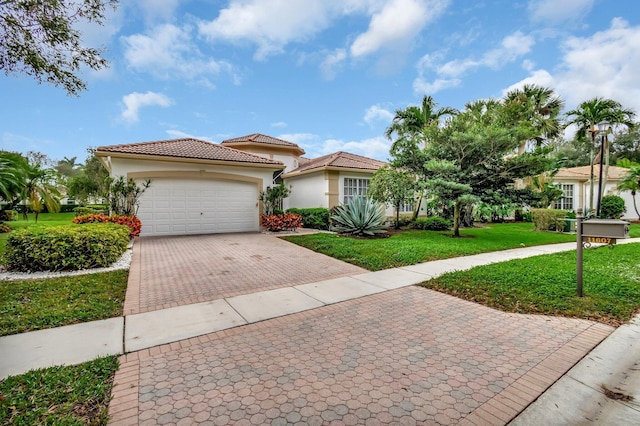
(434, 223)
(66, 247)
(315, 218)
(548, 219)
(612, 207)
(132, 222)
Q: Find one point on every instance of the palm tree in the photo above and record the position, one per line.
(631, 182)
(40, 190)
(538, 109)
(587, 116)
(12, 174)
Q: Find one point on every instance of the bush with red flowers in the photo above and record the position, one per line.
(132, 222)
(281, 222)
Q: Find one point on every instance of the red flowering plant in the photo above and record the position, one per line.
(132, 222)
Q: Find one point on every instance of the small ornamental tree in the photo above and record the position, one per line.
(124, 196)
(392, 186)
(272, 198)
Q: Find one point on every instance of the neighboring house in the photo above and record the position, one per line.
(575, 185)
(201, 187)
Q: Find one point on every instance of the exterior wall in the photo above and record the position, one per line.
(307, 191)
(125, 166)
(389, 211)
(582, 192)
(289, 160)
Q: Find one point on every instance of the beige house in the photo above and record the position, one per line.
(201, 187)
(575, 184)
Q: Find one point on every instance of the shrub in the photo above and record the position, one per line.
(361, 216)
(612, 207)
(432, 224)
(281, 222)
(80, 211)
(315, 218)
(4, 228)
(132, 222)
(68, 208)
(8, 215)
(67, 247)
(548, 219)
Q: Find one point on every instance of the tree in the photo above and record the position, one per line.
(471, 158)
(124, 195)
(631, 182)
(537, 111)
(13, 169)
(392, 186)
(90, 182)
(626, 144)
(40, 38)
(587, 116)
(40, 190)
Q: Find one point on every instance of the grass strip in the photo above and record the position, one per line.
(547, 285)
(28, 305)
(68, 395)
(412, 247)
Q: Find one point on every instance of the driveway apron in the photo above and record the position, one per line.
(174, 271)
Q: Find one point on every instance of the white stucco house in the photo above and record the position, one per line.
(200, 187)
(575, 184)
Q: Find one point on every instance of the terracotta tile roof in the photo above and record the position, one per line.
(584, 172)
(340, 159)
(188, 148)
(259, 139)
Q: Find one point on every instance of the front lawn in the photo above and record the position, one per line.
(28, 305)
(412, 247)
(547, 284)
(71, 395)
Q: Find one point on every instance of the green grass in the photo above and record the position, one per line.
(28, 305)
(72, 395)
(547, 284)
(44, 219)
(411, 247)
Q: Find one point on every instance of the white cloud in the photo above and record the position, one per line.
(331, 62)
(168, 51)
(511, 48)
(604, 64)
(396, 25)
(377, 147)
(537, 77)
(376, 113)
(157, 10)
(269, 24)
(552, 12)
(279, 124)
(134, 101)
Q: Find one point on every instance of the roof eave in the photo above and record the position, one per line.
(235, 145)
(328, 168)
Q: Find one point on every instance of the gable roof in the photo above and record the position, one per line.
(583, 173)
(187, 148)
(258, 139)
(339, 160)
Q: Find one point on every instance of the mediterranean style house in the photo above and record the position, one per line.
(201, 187)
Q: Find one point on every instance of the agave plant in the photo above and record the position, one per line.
(361, 216)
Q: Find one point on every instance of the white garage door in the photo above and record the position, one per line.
(198, 206)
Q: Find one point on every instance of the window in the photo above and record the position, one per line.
(407, 207)
(353, 187)
(566, 202)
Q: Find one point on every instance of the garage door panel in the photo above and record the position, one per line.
(184, 206)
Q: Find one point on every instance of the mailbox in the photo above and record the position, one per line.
(605, 228)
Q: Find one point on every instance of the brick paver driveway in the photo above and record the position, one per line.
(174, 271)
(408, 356)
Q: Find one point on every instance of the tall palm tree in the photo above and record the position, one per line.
(414, 120)
(631, 182)
(40, 190)
(537, 108)
(587, 116)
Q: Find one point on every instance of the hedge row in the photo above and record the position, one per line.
(132, 222)
(316, 218)
(67, 247)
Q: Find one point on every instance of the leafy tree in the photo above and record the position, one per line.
(124, 195)
(392, 186)
(90, 181)
(67, 167)
(40, 38)
(631, 183)
(626, 144)
(272, 198)
(587, 116)
(536, 109)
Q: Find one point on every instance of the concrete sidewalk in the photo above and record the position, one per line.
(83, 342)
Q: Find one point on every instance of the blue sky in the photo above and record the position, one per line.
(326, 74)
